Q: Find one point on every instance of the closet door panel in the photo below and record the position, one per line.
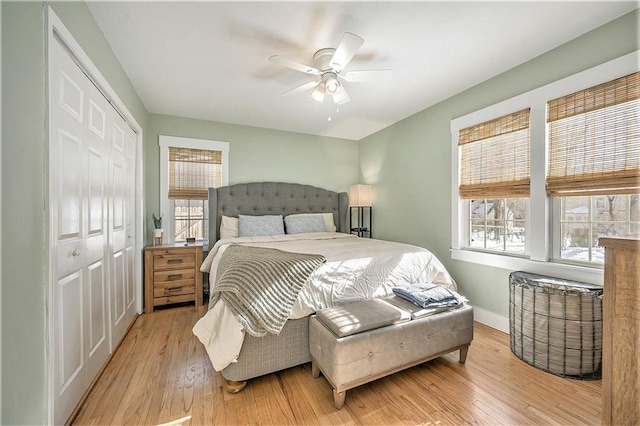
(67, 155)
(120, 187)
(70, 184)
(129, 201)
(98, 339)
(71, 333)
(117, 282)
(70, 370)
(97, 298)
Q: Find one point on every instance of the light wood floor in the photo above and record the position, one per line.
(161, 374)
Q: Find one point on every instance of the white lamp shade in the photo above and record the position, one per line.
(360, 195)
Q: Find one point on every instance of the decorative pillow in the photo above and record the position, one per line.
(304, 224)
(327, 217)
(229, 227)
(258, 226)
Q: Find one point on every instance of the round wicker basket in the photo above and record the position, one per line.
(556, 325)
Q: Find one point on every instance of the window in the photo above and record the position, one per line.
(585, 219)
(494, 163)
(188, 167)
(584, 176)
(594, 149)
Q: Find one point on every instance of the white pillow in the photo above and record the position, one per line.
(229, 227)
(327, 217)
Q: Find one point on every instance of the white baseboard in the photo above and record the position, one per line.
(492, 320)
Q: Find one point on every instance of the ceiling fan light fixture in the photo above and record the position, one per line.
(332, 85)
(318, 93)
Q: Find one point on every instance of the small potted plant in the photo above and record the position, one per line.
(157, 224)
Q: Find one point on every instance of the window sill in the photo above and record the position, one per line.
(585, 274)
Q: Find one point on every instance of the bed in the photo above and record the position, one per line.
(257, 356)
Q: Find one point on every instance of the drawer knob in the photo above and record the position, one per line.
(174, 277)
(174, 261)
(170, 289)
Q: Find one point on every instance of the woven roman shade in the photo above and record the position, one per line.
(192, 172)
(594, 140)
(494, 158)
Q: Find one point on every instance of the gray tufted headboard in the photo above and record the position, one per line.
(262, 198)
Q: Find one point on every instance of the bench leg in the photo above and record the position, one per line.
(463, 354)
(315, 371)
(338, 398)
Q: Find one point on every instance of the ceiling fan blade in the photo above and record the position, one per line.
(346, 50)
(342, 97)
(368, 75)
(286, 62)
(302, 88)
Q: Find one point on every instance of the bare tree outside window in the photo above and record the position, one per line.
(498, 224)
(585, 219)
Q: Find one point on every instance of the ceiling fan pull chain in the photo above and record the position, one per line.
(329, 119)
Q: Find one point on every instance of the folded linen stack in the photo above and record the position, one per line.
(427, 295)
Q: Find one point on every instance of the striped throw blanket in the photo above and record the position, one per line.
(260, 285)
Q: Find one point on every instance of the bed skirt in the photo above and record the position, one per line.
(271, 353)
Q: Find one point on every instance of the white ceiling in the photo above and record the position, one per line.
(209, 60)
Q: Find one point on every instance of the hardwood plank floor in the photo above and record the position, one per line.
(161, 374)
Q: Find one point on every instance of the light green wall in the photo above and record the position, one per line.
(255, 155)
(23, 192)
(409, 163)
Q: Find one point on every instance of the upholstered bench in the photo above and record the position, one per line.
(357, 343)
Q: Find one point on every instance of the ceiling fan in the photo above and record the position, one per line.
(329, 64)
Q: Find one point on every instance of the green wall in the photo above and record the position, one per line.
(409, 163)
(24, 258)
(255, 154)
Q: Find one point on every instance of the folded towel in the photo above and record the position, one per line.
(427, 295)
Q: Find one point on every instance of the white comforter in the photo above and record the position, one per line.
(356, 269)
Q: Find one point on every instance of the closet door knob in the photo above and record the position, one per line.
(75, 253)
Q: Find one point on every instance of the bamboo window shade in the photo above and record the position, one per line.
(494, 158)
(192, 172)
(594, 140)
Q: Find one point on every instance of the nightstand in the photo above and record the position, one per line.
(172, 275)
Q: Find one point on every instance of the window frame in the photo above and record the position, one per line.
(182, 142)
(541, 214)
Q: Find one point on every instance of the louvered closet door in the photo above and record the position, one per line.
(121, 161)
(77, 167)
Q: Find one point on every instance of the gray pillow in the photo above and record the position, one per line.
(304, 224)
(258, 226)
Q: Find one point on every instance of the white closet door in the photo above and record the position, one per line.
(121, 190)
(77, 180)
(97, 300)
(92, 160)
(130, 209)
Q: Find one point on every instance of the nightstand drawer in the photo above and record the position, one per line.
(173, 289)
(160, 301)
(174, 259)
(173, 277)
